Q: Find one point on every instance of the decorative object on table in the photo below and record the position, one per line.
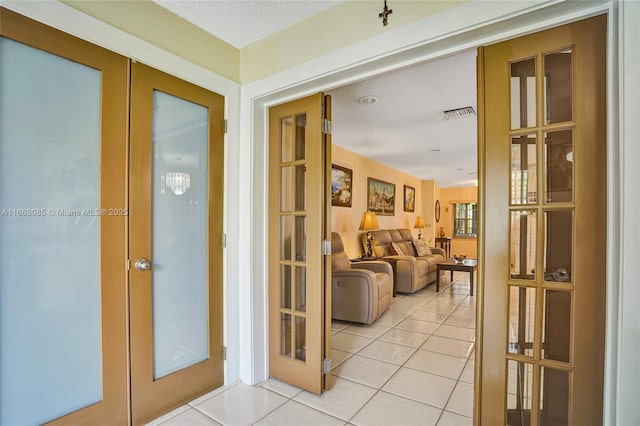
(441, 233)
(381, 197)
(409, 198)
(419, 225)
(341, 186)
(437, 211)
(369, 222)
(459, 257)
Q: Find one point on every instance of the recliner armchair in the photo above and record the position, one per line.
(361, 291)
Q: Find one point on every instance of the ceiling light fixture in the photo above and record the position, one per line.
(368, 100)
(459, 112)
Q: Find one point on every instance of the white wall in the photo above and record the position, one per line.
(624, 375)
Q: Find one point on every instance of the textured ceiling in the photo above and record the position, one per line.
(243, 22)
(406, 126)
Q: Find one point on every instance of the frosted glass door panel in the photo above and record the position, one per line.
(179, 223)
(50, 327)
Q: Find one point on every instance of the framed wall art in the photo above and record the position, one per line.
(341, 186)
(409, 198)
(381, 197)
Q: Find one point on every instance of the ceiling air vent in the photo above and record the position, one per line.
(459, 113)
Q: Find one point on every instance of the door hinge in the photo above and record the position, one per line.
(128, 264)
(326, 365)
(326, 247)
(326, 126)
(224, 240)
(225, 126)
(224, 353)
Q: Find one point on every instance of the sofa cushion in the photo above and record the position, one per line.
(396, 250)
(422, 248)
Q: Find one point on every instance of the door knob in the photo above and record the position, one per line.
(142, 264)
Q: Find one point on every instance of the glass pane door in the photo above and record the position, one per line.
(296, 216)
(177, 172)
(544, 192)
(62, 285)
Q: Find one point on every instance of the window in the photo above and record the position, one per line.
(465, 220)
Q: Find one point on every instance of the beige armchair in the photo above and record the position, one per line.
(361, 291)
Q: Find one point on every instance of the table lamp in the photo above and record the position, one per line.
(419, 225)
(368, 223)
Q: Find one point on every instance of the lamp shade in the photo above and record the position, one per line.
(419, 222)
(369, 221)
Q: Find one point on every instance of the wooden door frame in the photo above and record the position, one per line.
(258, 98)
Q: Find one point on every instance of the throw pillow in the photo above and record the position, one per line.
(422, 249)
(395, 249)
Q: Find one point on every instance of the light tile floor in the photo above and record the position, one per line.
(414, 366)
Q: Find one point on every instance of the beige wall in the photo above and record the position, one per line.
(156, 25)
(447, 197)
(345, 220)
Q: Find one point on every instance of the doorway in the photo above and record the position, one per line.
(555, 224)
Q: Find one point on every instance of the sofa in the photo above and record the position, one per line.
(361, 291)
(412, 272)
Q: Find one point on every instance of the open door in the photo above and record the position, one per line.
(299, 299)
(543, 190)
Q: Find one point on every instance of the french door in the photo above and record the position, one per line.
(111, 206)
(299, 323)
(175, 241)
(63, 171)
(543, 159)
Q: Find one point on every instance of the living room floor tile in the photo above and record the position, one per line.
(461, 401)
(338, 357)
(404, 337)
(191, 417)
(349, 342)
(435, 363)
(454, 332)
(242, 404)
(367, 371)
(389, 409)
(337, 325)
(284, 389)
(388, 320)
(451, 419)
(448, 346)
(422, 387)
(387, 351)
(295, 414)
(343, 400)
(372, 331)
(425, 327)
(468, 372)
(428, 316)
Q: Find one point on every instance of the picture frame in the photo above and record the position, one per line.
(341, 186)
(409, 198)
(381, 197)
